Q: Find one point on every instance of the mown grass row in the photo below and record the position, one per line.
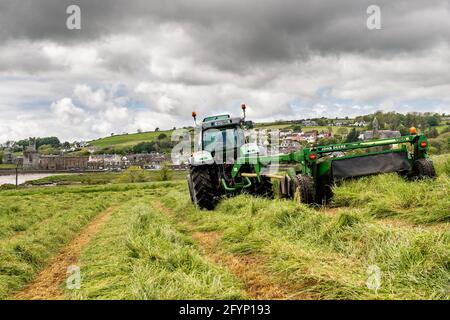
(142, 254)
(34, 226)
(390, 195)
(327, 255)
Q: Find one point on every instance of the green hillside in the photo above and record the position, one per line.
(127, 140)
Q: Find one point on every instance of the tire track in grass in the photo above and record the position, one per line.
(47, 285)
(258, 284)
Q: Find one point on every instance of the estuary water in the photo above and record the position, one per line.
(23, 177)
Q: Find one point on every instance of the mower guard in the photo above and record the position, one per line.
(370, 164)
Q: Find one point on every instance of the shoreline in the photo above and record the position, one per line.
(7, 172)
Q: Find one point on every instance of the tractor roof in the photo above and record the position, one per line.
(223, 120)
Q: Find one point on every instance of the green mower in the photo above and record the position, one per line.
(233, 166)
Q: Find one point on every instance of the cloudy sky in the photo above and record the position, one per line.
(141, 64)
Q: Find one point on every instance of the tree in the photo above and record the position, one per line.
(297, 128)
(162, 136)
(432, 121)
(164, 172)
(51, 141)
(144, 147)
(352, 136)
(156, 129)
(66, 145)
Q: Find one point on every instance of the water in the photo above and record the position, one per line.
(11, 179)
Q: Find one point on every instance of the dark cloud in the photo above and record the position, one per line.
(250, 31)
(171, 57)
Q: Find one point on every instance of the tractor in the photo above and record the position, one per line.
(225, 165)
(220, 142)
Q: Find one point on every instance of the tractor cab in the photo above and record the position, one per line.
(220, 135)
(221, 132)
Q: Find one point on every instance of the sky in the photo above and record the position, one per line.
(142, 64)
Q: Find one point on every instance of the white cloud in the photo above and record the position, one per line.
(67, 113)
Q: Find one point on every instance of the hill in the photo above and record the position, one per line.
(127, 140)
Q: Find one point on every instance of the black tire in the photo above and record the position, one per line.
(191, 188)
(204, 187)
(423, 168)
(304, 191)
(324, 190)
(262, 189)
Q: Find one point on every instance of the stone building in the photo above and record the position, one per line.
(30, 158)
(63, 162)
(376, 133)
(9, 158)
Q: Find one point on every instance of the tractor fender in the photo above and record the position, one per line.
(199, 158)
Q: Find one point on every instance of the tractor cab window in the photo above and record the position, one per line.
(225, 138)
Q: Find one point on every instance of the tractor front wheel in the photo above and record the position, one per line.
(304, 191)
(423, 168)
(203, 186)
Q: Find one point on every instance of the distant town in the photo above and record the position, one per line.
(151, 150)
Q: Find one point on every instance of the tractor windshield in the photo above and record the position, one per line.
(223, 139)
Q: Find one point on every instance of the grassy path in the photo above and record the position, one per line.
(141, 253)
(47, 285)
(258, 283)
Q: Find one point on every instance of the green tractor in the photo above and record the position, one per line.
(310, 173)
(219, 144)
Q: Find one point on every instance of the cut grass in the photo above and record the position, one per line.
(146, 252)
(36, 224)
(389, 195)
(141, 254)
(325, 255)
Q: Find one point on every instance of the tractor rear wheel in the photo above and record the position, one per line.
(304, 191)
(263, 188)
(204, 188)
(423, 168)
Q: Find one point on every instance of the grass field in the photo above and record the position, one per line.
(147, 241)
(127, 140)
(104, 178)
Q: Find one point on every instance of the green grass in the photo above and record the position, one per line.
(390, 195)
(152, 259)
(7, 166)
(98, 178)
(36, 224)
(127, 140)
(327, 255)
(146, 252)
